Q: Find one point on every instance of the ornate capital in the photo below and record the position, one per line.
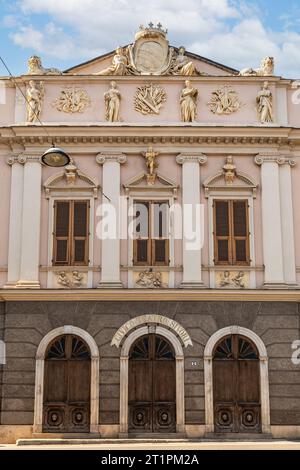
(102, 158)
(22, 159)
(191, 157)
(274, 157)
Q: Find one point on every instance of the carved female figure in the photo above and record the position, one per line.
(34, 95)
(264, 101)
(188, 102)
(118, 66)
(112, 100)
(183, 66)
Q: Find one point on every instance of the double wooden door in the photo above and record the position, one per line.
(152, 385)
(236, 386)
(67, 382)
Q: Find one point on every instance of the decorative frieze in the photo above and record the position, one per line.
(232, 279)
(224, 101)
(71, 280)
(72, 100)
(149, 98)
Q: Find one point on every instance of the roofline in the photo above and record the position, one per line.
(189, 54)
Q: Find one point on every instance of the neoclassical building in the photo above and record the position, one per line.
(151, 286)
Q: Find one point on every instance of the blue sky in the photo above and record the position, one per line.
(237, 33)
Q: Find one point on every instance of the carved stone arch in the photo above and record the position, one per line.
(208, 374)
(127, 336)
(39, 375)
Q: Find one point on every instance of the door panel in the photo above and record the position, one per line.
(152, 386)
(236, 386)
(67, 382)
(163, 377)
(140, 381)
(55, 388)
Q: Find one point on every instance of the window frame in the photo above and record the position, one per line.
(231, 237)
(151, 239)
(71, 237)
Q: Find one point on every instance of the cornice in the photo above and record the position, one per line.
(182, 295)
(160, 133)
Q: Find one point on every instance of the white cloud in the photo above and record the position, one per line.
(229, 31)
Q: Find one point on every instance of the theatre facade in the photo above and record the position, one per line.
(150, 287)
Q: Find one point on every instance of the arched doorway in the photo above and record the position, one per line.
(152, 385)
(236, 385)
(67, 379)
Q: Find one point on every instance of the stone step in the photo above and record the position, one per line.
(237, 437)
(81, 441)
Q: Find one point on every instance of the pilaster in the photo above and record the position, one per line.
(192, 218)
(31, 220)
(110, 255)
(277, 220)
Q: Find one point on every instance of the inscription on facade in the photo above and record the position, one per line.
(144, 319)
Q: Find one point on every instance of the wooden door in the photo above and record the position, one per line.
(236, 386)
(152, 385)
(67, 383)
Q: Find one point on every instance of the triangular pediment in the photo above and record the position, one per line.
(140, 183)
(204, 65)
(240, 182)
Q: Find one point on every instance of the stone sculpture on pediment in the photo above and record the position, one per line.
(182, 65)
(266, 69)
(150, 54)
(35, 67)
(119, 65)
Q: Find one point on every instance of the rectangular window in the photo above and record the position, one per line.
(151, 240)
(71, 233)
(231, 232)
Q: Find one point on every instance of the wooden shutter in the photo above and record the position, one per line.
(61, 235)
(231, 232)
(159, 233)
(71, 235)
(150, 246)
(80, 233)
(222, 248)
(240, 232)
(141, 242)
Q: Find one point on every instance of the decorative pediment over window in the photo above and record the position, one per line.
(140, 183)
(73, 181)
(229, 180)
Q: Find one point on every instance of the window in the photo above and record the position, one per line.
(71, 221)
(231, 232)
(151, 244)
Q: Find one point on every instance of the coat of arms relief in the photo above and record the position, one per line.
(150, 54)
